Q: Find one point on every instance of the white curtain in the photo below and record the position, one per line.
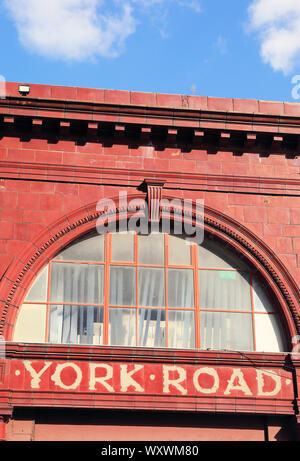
(226, 330)
(152, 328)
(224, 290)
(75, 283)
(181, 329)
(122, 326)
(151, 287)
(228, 290)
(122, 287)
(180, 288)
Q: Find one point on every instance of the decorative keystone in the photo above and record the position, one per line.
(154, 196)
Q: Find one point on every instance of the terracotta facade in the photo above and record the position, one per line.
(62, 149)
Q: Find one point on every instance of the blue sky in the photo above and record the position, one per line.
(246, 49)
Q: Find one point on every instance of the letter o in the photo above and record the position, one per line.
(210, 372)
(56, 376)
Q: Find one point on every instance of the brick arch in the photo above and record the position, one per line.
(48, 243)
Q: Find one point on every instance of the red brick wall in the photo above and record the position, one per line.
(28, 206)
(44, 180)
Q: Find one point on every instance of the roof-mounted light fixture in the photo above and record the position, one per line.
(24, 90)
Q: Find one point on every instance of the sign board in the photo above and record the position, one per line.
(147, 379)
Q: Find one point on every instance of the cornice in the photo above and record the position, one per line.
(132, 178)
(90, 111)
(162, 126)
(115, 354)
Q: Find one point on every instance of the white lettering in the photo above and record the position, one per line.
(36, 376)
(173, 382)
(102, 380)
(260, 383)
(241, 386)
(127, 380)
(57, 379)
(207, 371)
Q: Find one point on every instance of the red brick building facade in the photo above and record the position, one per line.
(62, 149)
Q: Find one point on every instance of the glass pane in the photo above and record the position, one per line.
(152, 328)
(181, 329)
(76, 324)
(122, 327)
(180, 288)
(77, 283)
(213, 254)
(226, 331)
(122, 247)
(151, 249)
(261, 301)
(224, 290)
(179, 251)
(122, 287)
(88, 248)
(31, 324)
(151, 287)
(38, 291)
(268, 335)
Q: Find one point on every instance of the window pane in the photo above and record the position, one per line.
(179, 251)
(268, 334)
(181, 329)
(38, 291)
(76, 324)
(31, 324)
(122, 248)
(151, 249)
(213, 254)
(77, 283)
(224, 290)
(261, 301)
(226, 330)
(122, 287)
(122, 327)
(89, 248)
(152, 328)
(151, 287)
(180, 288)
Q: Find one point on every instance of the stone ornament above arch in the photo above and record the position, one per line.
(22, 271)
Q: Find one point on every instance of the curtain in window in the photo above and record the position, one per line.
(75, 283)
(151, 287)
(122, 286)
(226, 330)
(152, 322)
(181, 329)
(76, 324)
(180, 288)
(224, 290)
(152, 328)
(122, 326)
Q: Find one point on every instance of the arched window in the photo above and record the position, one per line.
(155, 290)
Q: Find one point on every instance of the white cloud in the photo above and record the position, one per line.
(158, 10)
(194, 4)
(83, 29)
(222, 44)
(70, 29)
(278, 25)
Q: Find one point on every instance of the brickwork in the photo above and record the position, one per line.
(46, 177)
